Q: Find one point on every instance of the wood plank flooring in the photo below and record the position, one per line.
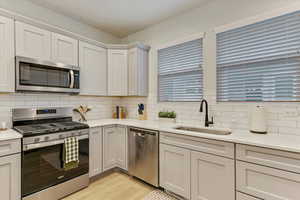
(116, 186)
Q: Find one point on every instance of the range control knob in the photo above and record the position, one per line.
(47, 138)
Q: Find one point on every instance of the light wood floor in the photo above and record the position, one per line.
(116, 186)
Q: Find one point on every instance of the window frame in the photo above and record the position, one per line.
(174, 43)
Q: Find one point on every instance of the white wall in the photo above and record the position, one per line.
(282, 118)
(29, 9)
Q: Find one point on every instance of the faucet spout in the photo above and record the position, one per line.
(207, 122)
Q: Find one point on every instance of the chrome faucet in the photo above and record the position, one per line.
(207, 122)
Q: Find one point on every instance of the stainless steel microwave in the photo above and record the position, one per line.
(43, 76)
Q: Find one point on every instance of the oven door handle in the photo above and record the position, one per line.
(28, 147)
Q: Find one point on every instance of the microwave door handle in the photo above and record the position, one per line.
(72, 79)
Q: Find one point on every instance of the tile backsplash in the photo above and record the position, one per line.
(101, 106)
(282, 118)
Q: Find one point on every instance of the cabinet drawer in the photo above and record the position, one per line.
(219, 148)
(269, 157)
(241, 196)
(10, 147)
(267, 183)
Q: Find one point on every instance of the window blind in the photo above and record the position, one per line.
(260, 61)
(180, 72)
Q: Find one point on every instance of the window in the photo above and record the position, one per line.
(180, 72)
(261, 61)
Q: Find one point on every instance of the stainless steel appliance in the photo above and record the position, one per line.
(143, 154)
(44, 76)
(44, 131)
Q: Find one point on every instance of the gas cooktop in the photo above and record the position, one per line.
(47, 128)
(41, 121)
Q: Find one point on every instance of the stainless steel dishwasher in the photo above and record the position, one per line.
(143, 154)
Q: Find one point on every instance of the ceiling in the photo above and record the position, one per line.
(120, 17)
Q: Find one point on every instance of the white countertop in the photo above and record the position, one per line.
(9, 134)
(280, 142)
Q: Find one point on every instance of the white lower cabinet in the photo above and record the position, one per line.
(109, 148)
(241, 196)
(121, 140)
(175, 169)
(196, 175)
(95, 151)
(114, 147)
(212, 177)
(267, 183)
(10, 177)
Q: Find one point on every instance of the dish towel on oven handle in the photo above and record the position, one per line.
(70, 153)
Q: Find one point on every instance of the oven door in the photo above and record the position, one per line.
(42, 167)
(44, 76)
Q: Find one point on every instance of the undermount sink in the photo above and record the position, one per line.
(204, 130)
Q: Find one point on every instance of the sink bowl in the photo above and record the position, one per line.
(204, 130)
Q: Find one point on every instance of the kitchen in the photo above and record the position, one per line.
(130, 69)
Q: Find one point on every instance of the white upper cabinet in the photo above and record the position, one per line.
(93, 65)
(7, 55)
(137, 72)
(117, 72)
(41, 44)
(32, 42)
(64, 49)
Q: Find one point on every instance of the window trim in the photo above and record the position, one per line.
(175, 42)
(257, 18)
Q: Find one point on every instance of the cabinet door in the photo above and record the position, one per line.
(241, 196)
(117, 73)
(32, 42)
(64, 49)
(212, 177)
(132, 72)
(137, 72)
(7, 55)
(121, 144)
(175, 170)
(267, 183)
(109, 148)
(93, 69)
(10, 176)
(95, 151)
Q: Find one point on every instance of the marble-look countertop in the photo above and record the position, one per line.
(274, 141)
(9, 134)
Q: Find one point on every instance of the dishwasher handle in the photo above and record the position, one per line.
(143, 132)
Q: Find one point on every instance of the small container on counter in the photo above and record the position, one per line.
(3, 126)
(258, 123)
(142, 114)
(119, 113)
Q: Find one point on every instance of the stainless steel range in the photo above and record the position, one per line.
(44, 131)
